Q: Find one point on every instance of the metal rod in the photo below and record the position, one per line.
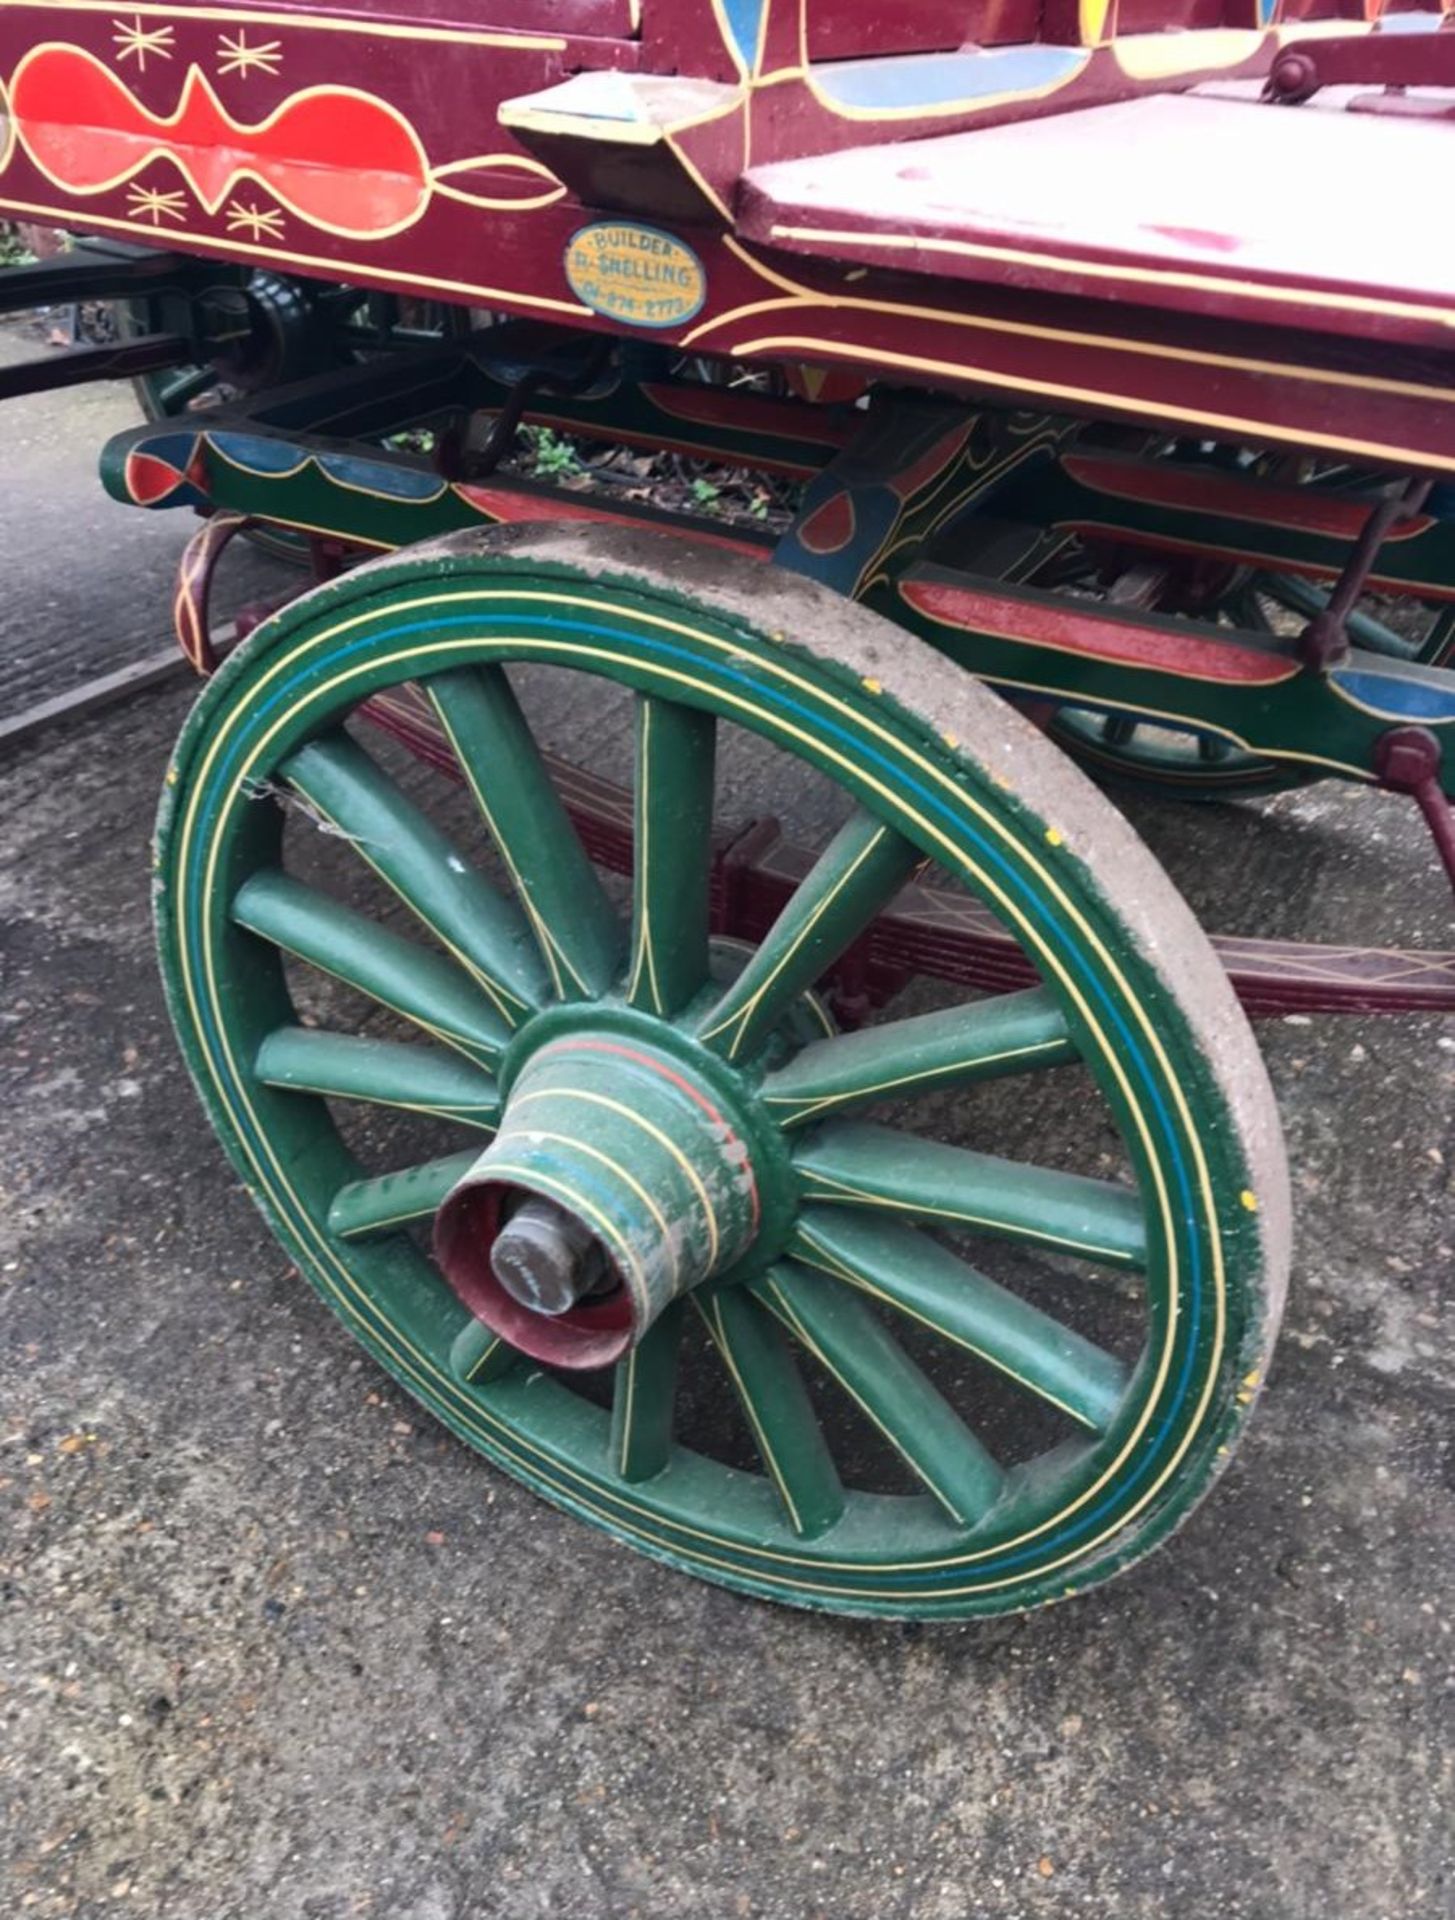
(90, 273)
(1408, 760)
(1325, 639)
(76, 366)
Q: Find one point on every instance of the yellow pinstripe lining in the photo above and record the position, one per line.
(836, 1189)
(812, 1104)
(712, 1314)
(745, 1013)
(630, 1180)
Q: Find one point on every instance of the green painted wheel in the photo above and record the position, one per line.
(692, 1278)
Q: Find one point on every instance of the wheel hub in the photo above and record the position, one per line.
(620, 1178)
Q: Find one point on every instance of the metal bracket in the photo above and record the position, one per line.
(208, 309)
(1325, 640)
(1408, 760)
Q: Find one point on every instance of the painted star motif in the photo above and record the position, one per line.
(135, 41)
(150, 203)
(258, 223)
(236, 56)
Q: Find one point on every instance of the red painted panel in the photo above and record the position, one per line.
(722, 406)
(1202, 491)
(506, 506)
(1153, 16)
(1233, 349)
(829, 528)
(1068, 627)
(149, 479)
(343, 160)
(608, 18)
(1207, 204)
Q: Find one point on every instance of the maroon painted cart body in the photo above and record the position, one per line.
(1093, 211)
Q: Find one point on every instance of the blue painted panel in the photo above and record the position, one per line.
(379, 476)
(256, 452)
(940, 79)
(173, 447)
(1426, 700)
(745, 23)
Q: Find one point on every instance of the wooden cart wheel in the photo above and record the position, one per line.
(666, 1203)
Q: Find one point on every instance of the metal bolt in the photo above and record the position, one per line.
(547, 1259)
(1293, 79)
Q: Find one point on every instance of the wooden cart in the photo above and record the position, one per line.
(1098, 360)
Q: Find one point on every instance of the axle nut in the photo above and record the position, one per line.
(547, 1259)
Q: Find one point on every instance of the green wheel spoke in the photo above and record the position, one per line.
(916, 1275)
(1008, 1034)
(391, 1200)
(380, 1072)
(487, 934)
(676, 752)
(423, 986)
(853, 1164)
(576, 926)
(841, 1330)
(478, 1355)
(784, 1425)
(643, 1402)
(861, 869)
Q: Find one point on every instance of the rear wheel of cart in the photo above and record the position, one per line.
(957, 1312)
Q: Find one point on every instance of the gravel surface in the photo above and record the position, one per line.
(95, 574)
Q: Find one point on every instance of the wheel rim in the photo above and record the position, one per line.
(838, 1260)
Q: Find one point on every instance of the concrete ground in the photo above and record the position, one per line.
(65, 537)
(273, 1647)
